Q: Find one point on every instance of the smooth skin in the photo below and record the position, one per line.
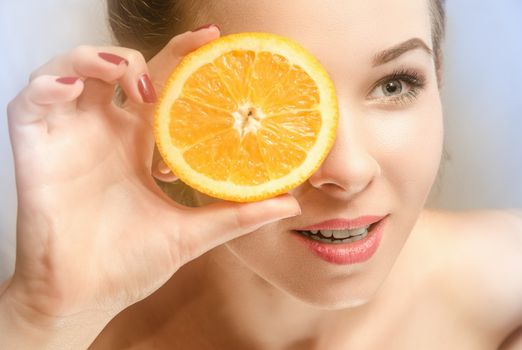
(440, 279)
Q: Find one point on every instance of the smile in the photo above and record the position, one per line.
(344, 246)
(337, 236)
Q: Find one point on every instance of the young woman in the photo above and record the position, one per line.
(107, 260)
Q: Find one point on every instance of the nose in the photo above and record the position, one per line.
(350, 166)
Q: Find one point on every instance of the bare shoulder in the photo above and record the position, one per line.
(481, 264)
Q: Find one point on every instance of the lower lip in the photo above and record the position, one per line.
(347, 253)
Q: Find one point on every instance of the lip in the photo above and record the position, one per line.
(343, 224)
(347, 253)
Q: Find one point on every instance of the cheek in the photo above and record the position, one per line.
(410, 148)
(260, 247)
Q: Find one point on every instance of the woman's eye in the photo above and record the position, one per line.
(402, 87)
(390, 88)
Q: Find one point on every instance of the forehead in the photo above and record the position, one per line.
(354, 28)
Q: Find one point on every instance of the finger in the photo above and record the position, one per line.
(133, 79)
(220, 222)
(43, 94)
(110, 65)
(160, 170)
(162, 64)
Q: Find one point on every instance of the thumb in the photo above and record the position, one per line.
(220, 222)
(162, 64)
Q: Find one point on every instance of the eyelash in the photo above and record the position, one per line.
(413, 78)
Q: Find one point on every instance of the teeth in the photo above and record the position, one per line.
(327, 233)
(355, 238)
(340, 234)
(334, 241)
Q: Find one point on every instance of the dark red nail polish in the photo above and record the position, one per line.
(206, 26)
(115, 59)
(67, 80)
(147, 91)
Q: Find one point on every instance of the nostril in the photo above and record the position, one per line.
(340, 191)
(333, 188)
(329, 187)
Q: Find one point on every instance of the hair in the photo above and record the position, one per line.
(148, 25)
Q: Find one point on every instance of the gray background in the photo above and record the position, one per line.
(481, 95)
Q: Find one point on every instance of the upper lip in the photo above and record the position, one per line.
(343, 224)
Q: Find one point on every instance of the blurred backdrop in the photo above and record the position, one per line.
(482, 95)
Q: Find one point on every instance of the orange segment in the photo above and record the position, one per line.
(249, 168)
(216, 156)
(234, 69)
(192, 122)
(281, 156)
(267, 73)
(297, 91)
(246, 117)
(300, 128)
(206, 86)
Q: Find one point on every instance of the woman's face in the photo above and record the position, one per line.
(388, 145)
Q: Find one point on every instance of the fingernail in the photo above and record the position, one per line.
(67, 80)
(115, 59)
(163, 168)
(207, 26)
(148, 94)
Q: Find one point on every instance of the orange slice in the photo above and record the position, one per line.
(246, 117)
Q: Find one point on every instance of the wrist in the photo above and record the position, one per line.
(22, 328)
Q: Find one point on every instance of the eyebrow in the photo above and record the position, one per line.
(399, 49)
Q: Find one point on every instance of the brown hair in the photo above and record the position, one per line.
(148, 25)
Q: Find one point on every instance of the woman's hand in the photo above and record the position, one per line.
(94, 232)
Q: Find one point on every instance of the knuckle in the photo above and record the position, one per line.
(175, 40)
(136, 56)
(77, 57)
(80, 51)
(37, 84)
(241, 217)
